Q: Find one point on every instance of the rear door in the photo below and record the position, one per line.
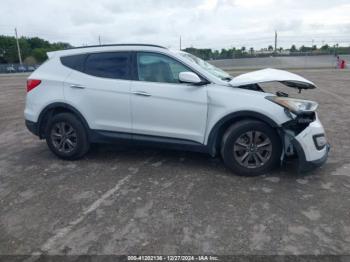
(161, 105)
(99, 87)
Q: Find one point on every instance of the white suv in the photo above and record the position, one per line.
(151, 95)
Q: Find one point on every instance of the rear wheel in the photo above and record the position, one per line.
(250, 148)
(67, 137)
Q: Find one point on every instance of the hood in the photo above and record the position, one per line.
(272, 75)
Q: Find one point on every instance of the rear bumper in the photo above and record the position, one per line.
(32, 127)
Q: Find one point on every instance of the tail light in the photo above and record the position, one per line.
(32, 83)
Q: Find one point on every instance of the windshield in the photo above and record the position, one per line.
(217, 72)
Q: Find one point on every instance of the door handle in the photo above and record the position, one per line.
(77, 86)
(141, 93)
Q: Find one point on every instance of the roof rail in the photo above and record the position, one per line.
(78, 47)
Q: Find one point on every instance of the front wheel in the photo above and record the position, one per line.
(67, 137)
(250, 148)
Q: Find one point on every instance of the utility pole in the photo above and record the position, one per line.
(180, 43)
(275, 42)
(18, 48)
(99, 39)
(336, 49)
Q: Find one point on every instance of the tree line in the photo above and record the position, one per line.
(33, 49)
(208, 54)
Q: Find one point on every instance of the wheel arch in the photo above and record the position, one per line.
(56, 108)
(218, 130)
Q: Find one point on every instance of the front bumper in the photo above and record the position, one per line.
(310, 155)
(303, 164)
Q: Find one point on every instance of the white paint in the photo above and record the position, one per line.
(305, 139)
(270, 75)
(164, 109)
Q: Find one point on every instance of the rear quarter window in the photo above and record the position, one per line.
(75, 62)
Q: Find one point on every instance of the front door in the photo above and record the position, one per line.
(161, 105)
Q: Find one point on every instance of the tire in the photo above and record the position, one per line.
(63, 127)
(252, 140)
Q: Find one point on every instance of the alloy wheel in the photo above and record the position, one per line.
(63, 137)
(252, 149)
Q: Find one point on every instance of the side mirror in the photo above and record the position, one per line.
(189, 77)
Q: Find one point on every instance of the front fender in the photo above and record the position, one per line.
(219, 128)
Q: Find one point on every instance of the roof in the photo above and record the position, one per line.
(116, 45)
(98, 48)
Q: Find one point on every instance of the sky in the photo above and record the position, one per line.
(212, 24)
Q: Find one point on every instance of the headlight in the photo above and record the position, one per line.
(296, 106)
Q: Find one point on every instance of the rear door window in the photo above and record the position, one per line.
(114, 65)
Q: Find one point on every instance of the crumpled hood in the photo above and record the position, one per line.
(272, 75)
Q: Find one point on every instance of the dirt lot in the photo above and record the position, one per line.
(149, 201)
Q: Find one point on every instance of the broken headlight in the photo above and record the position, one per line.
(296, 106)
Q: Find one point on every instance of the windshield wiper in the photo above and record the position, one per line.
(227, 78)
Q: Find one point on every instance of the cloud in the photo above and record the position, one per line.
(208, 5)
(291, 25)
(253, 3)
(201, 23)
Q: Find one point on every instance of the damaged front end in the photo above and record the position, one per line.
(304, 140)
(303, 135)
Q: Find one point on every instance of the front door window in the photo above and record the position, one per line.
(154, 67)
